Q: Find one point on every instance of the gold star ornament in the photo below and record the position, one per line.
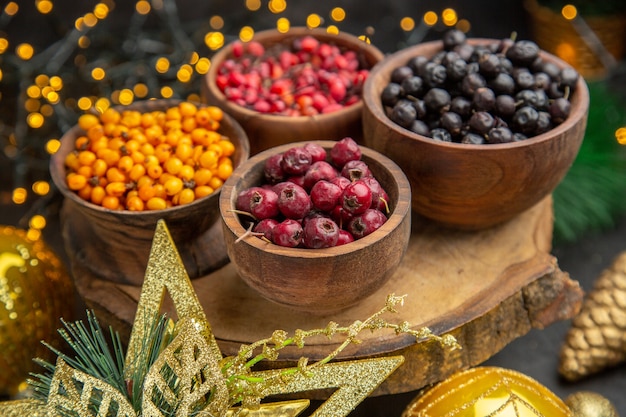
(184, 372)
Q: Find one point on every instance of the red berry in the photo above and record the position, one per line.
(343, 151)
(293, 201)
(366, 223)
(262, 203)
(266, 226)
(318, 153)
(380, 199)
(356, 197)
(273, 170)
(355, 170)
(325, 195)
(344, 237)
(320, 170)
(296, 160)
(309, 44)
(287, 233)
(255, 48)
(320, 232)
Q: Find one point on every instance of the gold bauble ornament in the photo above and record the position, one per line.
(35, 293)
(487, 392)
(590, 404)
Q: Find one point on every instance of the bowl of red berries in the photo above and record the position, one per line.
(316, 226)
(483, 128)
(284, 87)
(123, 169)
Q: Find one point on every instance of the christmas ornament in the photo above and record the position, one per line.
(590, 404)
(35, 291)
(487, 392)
(175, 368)
(597, 337)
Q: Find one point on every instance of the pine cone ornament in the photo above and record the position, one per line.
(597, 338)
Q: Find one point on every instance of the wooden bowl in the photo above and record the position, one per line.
(472, 186)
(269, 130)
(115, 244)
(319, 281)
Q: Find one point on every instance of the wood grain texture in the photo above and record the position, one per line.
(487, 288)
(266, 131)
(472, 186)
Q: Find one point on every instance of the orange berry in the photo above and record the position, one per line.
(208, 159)
(173, 113)
(86, 157)
(110, 115)
(134, 203)
(71, 161)
(203, 118)
(216, 113)
(125, 164)
(114, 174)
(97, 194)
(154, 170)
(87, 121)
(173, 165)
(202, 176)
(156, 203)
(159, 191)
(99, 167)
(186, 173)
(85, 192)
(224, 171)
(111, 202)
(76, 181)
(146, 192)
(215, 182)
(138, 157)
(147, 149)
(186, 196)
(116, 188)
(163, 151)
(137, 172)
(144, 180)
(95, 132)
(82, 143)
(203, 191)
(85, 171)
(173, 186)
(109, 156)
(183, 151)
(228, 148)
(189, 124)
(187, 109)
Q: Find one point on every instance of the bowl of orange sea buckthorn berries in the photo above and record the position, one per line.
(122, 169)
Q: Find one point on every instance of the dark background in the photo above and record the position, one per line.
(535, 354)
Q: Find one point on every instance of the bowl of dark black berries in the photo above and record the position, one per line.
(316, 226)
(302, 84)
(483, 128)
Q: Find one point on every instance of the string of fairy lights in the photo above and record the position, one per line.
(84, 71)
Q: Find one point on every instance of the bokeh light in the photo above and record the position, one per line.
(313, 20)
(246, 33)
(569, 12)
(253, 5)
(407, 24)
(620, 135)
(338, 14)
(449, 17)
(283, 25)
(430, 18)
(24, 51)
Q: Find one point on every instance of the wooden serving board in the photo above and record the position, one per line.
(486, 288)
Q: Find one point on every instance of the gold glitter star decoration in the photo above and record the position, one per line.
(174, 368)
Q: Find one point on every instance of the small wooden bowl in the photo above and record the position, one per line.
(319, 281)
(117, 243)
(472, 186)
(267, 130)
